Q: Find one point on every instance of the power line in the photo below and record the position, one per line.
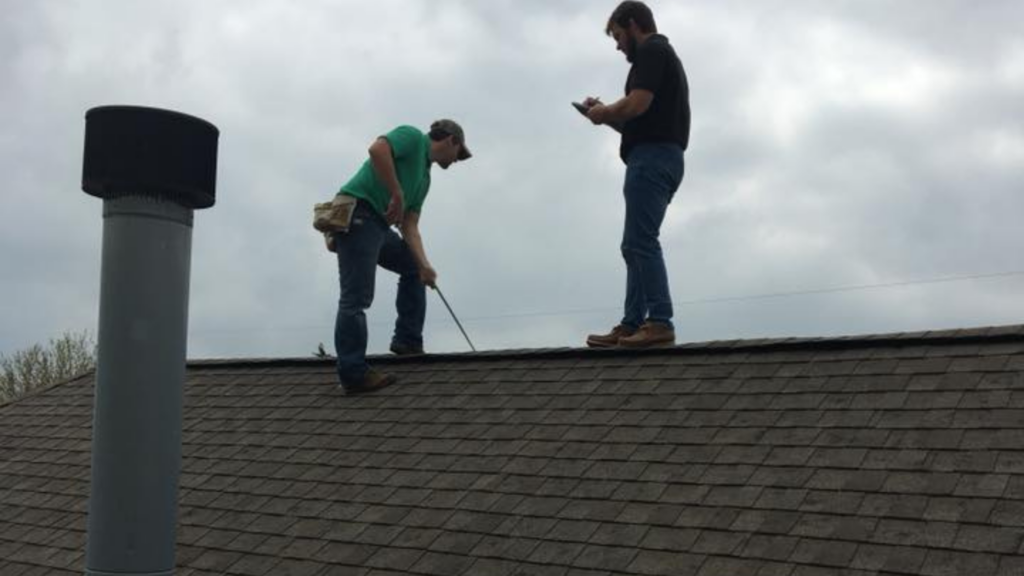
(857, 287)
(699, 301)
(694, 302)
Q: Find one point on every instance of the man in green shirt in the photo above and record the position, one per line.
(390, 189)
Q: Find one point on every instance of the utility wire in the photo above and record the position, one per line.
(694, 302)
(834, 290)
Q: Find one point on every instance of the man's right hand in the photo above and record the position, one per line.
(590, 102)
(396, 208)
(428, 276)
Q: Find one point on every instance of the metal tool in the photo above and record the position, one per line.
(454, 317)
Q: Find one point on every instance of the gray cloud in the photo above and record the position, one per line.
(835, 144)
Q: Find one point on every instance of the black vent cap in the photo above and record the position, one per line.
(135, 150)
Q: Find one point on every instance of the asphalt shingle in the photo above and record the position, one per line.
(888, 454)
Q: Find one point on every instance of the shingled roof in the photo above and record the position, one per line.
(893, 454)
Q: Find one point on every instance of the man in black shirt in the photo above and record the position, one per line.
(654, 119)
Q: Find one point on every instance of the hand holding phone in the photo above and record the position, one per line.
(584, 108)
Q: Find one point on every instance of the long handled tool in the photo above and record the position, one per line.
(454, 317)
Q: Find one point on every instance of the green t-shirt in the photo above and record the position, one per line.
(410, 149)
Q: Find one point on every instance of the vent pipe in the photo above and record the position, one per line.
(152, 168)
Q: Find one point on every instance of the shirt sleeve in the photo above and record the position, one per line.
(649, 70)
(404, 141)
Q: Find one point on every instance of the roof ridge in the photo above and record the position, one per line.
(989, 334)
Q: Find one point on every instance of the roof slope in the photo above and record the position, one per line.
(891, 454)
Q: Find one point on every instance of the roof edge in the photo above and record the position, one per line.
(42, 389)
(987, 335)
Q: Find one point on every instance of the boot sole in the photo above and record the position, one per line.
(355, 390)
(666, 344)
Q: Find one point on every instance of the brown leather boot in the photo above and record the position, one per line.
(610, 339)
(650, 335)
(372, 382)
(400, 349)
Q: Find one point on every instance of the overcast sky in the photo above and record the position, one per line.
(862, 144)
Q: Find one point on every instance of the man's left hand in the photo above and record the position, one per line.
(396, 209)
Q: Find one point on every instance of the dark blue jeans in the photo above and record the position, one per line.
(368, 243)
(653, 174)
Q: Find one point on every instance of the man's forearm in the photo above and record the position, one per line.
(616, 112)
(628, 107)
(411, 235)
(620, 112)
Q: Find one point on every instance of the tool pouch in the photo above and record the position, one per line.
(334, 216)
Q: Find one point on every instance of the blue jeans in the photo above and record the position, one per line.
(653, 174)
(368, 243)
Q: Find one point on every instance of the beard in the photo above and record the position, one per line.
(630, 49)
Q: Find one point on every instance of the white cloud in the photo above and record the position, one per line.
(1005, 148)
(1010, 67)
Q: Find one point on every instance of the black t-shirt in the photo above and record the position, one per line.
(657, 68)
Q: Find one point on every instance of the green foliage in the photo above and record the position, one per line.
(41, 366)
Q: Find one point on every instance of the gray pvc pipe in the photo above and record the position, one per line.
(140, 375)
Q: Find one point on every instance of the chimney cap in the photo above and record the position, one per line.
(137, 150)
